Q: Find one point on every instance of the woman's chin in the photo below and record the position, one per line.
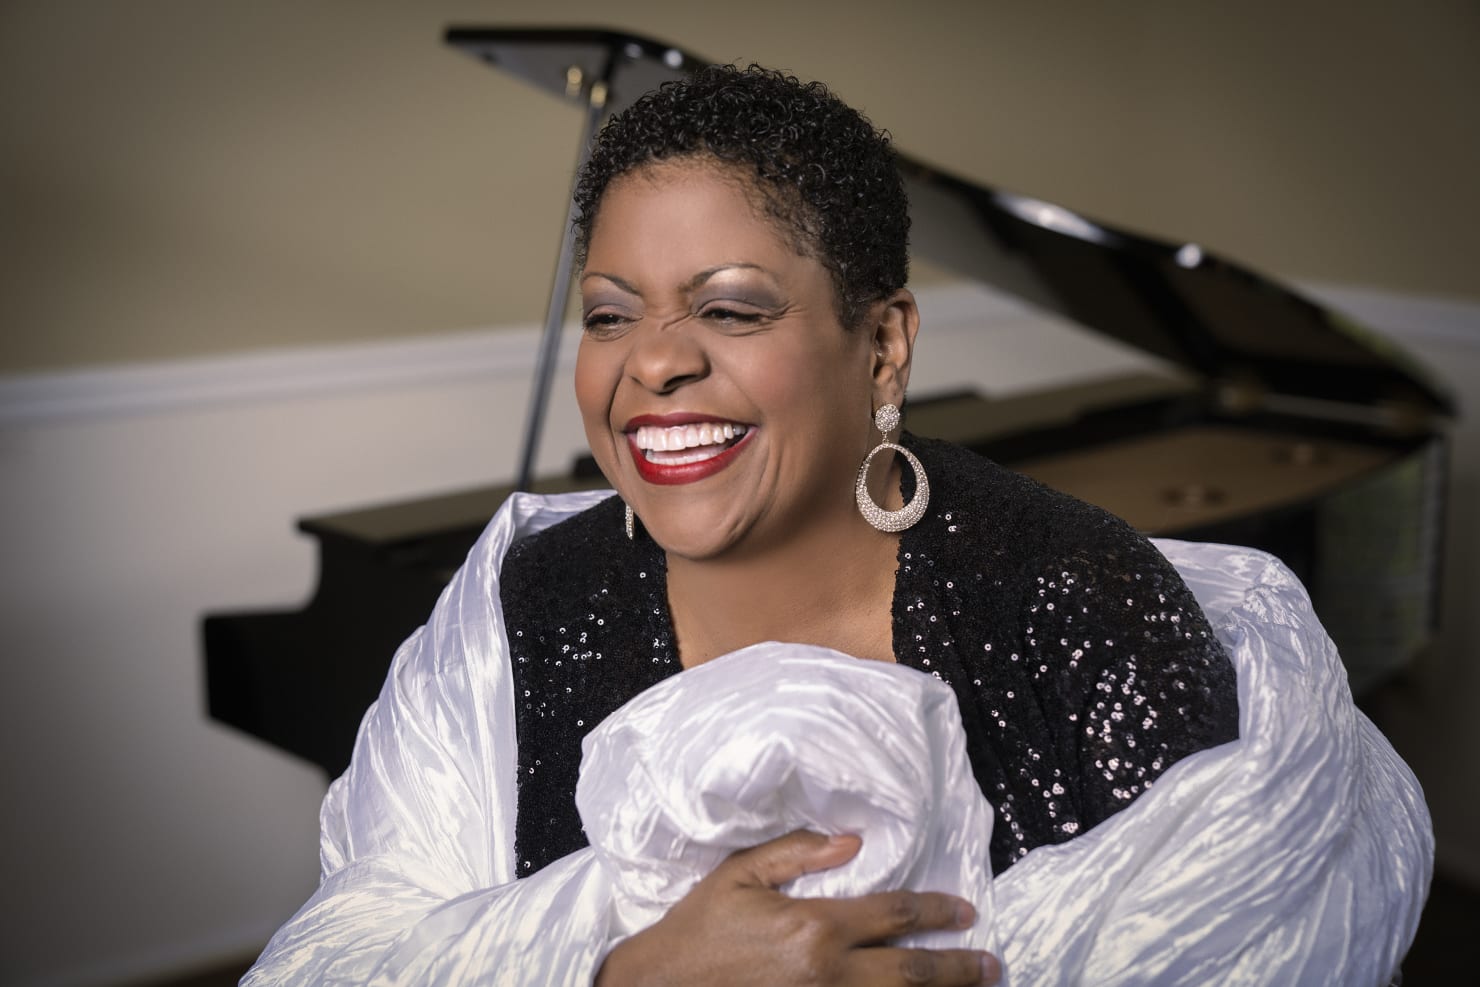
(698, 537)
(691, 546)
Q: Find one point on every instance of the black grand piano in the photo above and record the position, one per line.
(1283, 425)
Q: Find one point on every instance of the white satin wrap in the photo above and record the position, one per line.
(1299, 854)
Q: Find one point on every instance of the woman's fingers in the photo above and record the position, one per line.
(788, 857)
(867, 920)
(887, 915)
(816, 940)
(891, 967)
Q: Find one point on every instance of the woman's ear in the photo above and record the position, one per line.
(894, 325)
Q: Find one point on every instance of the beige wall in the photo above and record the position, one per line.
(184, 178)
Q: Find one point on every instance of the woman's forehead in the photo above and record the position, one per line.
(673, 192)
(700, 199)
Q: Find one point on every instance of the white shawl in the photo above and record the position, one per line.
(1299, 854)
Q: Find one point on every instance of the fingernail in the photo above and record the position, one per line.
(965, 915)
(991, 969)
(838, 839)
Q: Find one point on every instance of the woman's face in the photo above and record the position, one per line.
(720, 394)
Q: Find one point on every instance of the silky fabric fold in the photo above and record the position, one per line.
(1300, 853)
(780, 737)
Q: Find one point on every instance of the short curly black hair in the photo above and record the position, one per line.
(820, 168)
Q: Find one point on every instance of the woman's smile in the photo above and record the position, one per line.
(683, 448)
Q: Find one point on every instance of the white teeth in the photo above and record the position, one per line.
(650, 438)
(685, 457)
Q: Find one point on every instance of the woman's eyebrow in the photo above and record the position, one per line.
(691, 284)
(705, 275)
(622, 283)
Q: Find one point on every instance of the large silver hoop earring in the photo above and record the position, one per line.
(886, 420)
(628, 521)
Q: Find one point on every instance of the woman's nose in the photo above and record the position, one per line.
(666, 357)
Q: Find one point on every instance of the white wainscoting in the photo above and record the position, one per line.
(144, 838)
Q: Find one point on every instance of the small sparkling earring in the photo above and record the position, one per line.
(886, 420)
(628, 523)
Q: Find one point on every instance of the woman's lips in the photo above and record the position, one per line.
(684, 448)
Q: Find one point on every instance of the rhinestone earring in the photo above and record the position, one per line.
(886, 420)
(628, 523)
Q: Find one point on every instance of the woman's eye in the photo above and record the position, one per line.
(602, 324)
(726, 315)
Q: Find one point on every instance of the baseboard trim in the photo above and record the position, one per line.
(509, 354)
(268, 375)
(1406, 318)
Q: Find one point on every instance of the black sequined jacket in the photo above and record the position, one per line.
(1082, 665)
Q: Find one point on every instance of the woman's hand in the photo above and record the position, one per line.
(734, 928)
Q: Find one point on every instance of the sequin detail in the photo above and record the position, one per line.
(585, 637)
(1068, 654)
(1081, 663)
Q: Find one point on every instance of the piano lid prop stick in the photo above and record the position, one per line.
(544, 370)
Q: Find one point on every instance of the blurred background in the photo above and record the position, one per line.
(266, 260)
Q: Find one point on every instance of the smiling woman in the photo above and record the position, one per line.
(699, 314)
(747, 347)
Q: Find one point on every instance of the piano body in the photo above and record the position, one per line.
(1286, 427)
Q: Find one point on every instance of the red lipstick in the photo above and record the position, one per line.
(664, 474)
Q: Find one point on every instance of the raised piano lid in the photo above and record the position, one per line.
(1245, 334)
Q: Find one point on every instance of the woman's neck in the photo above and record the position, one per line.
(830, 585)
